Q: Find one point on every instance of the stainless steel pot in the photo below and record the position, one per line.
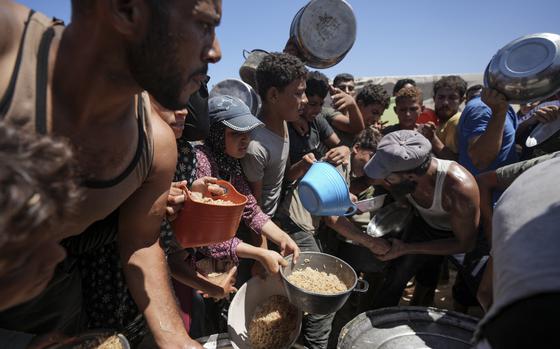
(527, 69)
(239, 89)
(324, 32)
(390, 219)
(318, 303)
(248, 71)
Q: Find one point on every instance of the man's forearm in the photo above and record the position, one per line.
(486, 147)
(356, 121)
(443, 247)
(148, 279)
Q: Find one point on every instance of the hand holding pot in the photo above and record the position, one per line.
(397, 249)
(175, 199)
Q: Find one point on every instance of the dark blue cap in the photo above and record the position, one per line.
(233, 113)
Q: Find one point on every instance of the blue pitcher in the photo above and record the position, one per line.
(324, 192)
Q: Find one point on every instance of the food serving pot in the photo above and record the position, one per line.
(320, 303)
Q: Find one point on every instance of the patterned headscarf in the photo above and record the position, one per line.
(216, 141)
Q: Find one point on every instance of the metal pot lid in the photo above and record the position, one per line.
(239, 89)
(327, 28)
(542, 132)
(528, 56)
(408, 327)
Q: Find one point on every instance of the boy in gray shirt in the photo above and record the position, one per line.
(281, 85)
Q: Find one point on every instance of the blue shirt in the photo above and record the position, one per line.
(474, 121)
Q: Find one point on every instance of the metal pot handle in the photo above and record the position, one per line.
(362, 286)
(246, 53)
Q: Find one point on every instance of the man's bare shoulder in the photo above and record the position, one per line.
(165, 146)
(460, 184)
(12, 22)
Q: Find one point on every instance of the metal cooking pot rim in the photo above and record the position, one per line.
(289, 260)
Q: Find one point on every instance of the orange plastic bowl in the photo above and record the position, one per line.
(202, 224)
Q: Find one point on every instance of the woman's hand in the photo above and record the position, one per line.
(271, 261)
(204, 184)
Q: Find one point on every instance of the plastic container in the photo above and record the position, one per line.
(201, 224)
(324, 192)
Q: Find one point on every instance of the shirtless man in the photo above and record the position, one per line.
(83, 83)
(447, 200)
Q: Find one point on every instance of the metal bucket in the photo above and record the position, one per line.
(239, 89)
(408, 327)
(320, 303)
(324, 32)
(248, 71)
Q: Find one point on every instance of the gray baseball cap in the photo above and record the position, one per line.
(233, 113)
(398, 151)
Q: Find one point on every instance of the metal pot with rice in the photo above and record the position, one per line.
(330, 272)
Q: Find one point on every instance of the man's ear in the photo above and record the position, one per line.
(129, 17)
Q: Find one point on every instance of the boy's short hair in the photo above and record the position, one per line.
(402, 83)
(373, 93)
(453, 82)
(409, 92)
(342, 77)
(369, 138)
(317, 84)
(278, 70)
(37, 186)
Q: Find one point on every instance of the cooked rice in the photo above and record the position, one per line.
(317, 281)
(273, 324)
(198, 197)
(100, 342)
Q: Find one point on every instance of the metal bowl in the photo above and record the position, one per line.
(320, 303)
(324, 32)
(526, 69)
(239, 89)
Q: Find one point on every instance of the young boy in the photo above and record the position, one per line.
(281, 85)
(408, 106)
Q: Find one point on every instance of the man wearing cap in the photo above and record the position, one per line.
(446, 199)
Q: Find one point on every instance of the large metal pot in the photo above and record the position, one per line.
(318, 303)
(527, 69)
(408, 327)
(248, 71)
(239, 89)
(324, 32)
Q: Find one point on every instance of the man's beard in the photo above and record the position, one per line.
(153, 64)
(399, 191)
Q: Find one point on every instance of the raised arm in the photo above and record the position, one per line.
(484, 148)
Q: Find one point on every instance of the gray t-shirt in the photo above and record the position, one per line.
(526, 237)
(314, 141)
(266, 159)
(346, 138)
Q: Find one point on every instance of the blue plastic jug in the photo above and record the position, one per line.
(324, 192)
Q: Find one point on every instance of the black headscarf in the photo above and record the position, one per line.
(216, 141)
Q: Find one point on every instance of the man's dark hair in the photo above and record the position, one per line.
(317, 84)
(278, 70)
(453, 82)
(37, 186)
(342, 77)
(401, 83)
(373, 93)
(369, 138)
(473, 89)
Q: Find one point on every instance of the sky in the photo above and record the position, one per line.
(394, 38)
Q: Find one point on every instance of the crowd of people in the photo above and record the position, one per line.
(95, 168)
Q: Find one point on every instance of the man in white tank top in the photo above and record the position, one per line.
(445, 197)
